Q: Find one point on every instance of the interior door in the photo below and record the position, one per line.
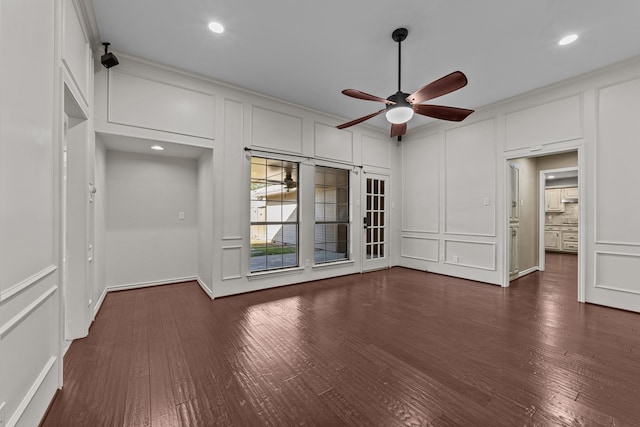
(375, 222)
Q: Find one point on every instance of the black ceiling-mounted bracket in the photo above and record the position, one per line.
(108, 59)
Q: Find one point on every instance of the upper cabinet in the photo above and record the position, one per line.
(570, 193)
(553, 200)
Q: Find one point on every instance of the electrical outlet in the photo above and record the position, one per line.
(3, 414)
(307, 263)
(456, 259)
(441, 257)
(180, 215)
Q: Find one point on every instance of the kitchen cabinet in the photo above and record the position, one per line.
(561, 238)
(553, 200)
(570, 193)
(552, 238)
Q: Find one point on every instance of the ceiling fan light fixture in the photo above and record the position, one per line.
(398, 114)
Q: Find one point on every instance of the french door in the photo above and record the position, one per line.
(376, 219)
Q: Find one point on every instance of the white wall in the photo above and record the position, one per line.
(100, 226)
(228, 120)
(30, 307)
(592, 114)
(205, 220)
(146, 242)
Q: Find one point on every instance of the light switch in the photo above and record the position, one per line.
(486, 201)
(181, 215)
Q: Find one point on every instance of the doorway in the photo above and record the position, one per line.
(376, 220)
(533, 223)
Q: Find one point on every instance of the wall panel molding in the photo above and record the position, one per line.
(33, 390)
(332, 144)
(470, 200)
(544, 123)
(614, 216)
(26, 283)
(25, 312)
(275, 130)
(231, 262)
(154, 104)
(434, 247)
(615, 266)
(473, 250)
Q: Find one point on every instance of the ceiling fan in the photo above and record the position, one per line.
(401, 106)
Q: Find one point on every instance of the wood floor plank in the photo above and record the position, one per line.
(391, 348)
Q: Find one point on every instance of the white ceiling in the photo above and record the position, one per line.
(307, 52)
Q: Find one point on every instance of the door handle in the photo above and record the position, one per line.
(364, 221)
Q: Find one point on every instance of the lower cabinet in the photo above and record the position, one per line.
(562, 238)
(552, 239)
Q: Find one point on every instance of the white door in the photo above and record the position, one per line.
(376, 219)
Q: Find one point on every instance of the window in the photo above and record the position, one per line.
(332, 215)
(274, 214)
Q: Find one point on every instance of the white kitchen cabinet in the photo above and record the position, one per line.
(570, 193)
(552, 239)
(553, 200)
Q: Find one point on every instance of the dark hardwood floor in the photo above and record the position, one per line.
(395, 347)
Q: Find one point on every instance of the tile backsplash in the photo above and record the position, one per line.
(570, 215)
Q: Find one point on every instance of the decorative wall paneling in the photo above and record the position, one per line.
(143, 102)
(617, 149)
(473, 254)
(77, 57)
(555, 121)
(30, 307)
(421, 185)
(276, 131)
(266, 126)
(611, 271)
(376, 151)
(421, 248)
(470, 179)
(333, 144)
(232, 262)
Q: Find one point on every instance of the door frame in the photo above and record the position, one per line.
(582, 223)
(542, 214)
(385, 261)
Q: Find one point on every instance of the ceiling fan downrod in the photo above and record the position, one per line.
(399, 35)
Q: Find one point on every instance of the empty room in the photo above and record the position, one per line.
(333, 213)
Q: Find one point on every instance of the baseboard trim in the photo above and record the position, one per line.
(528, 271)
(204, 287)
(96, 309)
(150, 283)
(35, 387)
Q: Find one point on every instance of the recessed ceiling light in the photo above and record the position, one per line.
(568, 39)
(216, 27)
(157, 148)
(550, 177)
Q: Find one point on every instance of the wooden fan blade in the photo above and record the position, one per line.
(442, 112)
(442, 86)
(361, 95)
(398, 129)
(360, 120)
